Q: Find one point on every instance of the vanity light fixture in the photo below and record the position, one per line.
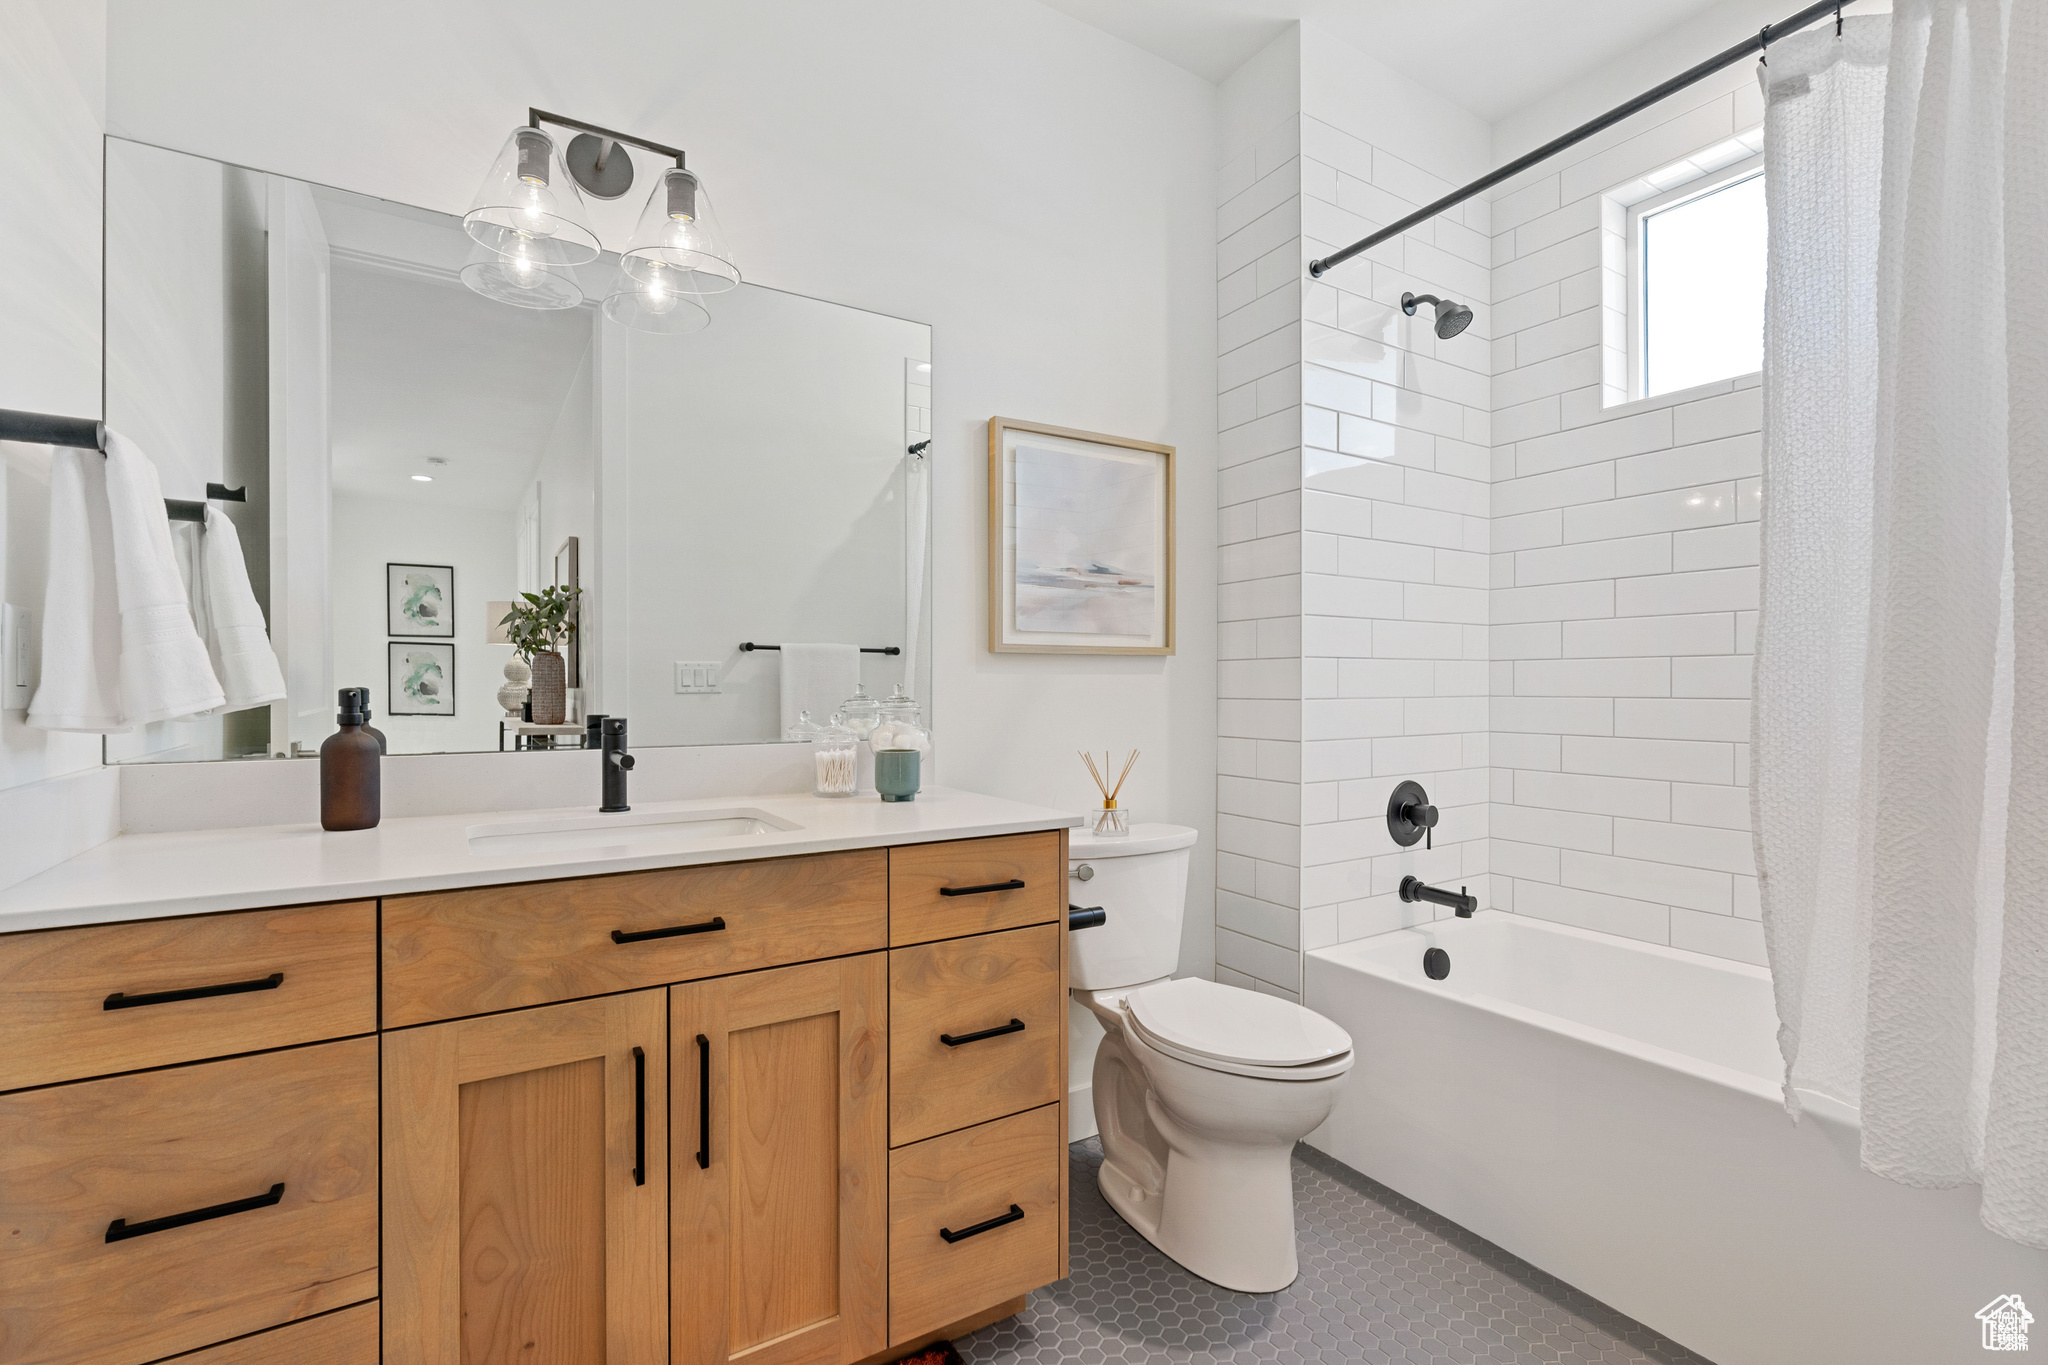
(423, 478)
(527, 210)
(529, 224)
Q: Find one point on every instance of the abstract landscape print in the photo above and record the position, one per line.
(1087, 561)
(422, 681)
(420, 599)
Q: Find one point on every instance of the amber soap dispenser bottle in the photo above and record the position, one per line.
(350, 793)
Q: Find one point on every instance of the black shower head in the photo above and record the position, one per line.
(1451, 318)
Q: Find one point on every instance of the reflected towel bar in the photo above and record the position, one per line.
(748, 647)
(83, 433)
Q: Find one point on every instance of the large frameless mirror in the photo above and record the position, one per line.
(414, 457)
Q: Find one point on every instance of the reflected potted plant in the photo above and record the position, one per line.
(537, 626)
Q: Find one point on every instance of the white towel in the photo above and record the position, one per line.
(816, 678)
(231, 623)
(119, 646)
(81, 674)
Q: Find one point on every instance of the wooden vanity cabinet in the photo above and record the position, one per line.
(779, 1248)
(526, 1186)
(555, 1121)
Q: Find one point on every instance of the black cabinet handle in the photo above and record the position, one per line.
(1014, 1026)
(709, 926)
(120, 1230)
(1085, 917)
(119, 1001)
(639, 1117)
(1014, 1215)
(703, 1103)
(1014, 884)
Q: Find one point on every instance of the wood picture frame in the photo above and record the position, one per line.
(569, 574)
(1097, 539)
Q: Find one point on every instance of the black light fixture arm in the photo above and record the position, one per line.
(536, 117)
(1579, 134)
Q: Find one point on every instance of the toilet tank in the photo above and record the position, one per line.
(1141, 883)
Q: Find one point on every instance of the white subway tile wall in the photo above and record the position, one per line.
(1259, 793)
(1468, 562)
(1624, 568)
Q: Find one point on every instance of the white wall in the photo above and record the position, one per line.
(1624, 552)
(367, 534)
(52, 99)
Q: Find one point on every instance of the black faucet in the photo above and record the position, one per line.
(1412, 889)
(617, 763)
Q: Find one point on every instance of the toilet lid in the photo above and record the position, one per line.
(1229, 1024)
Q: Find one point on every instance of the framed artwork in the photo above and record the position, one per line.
(422, 681)
(419, 600)
(569, 574)
(1080, 542)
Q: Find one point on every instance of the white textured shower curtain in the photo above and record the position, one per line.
(1900, 787)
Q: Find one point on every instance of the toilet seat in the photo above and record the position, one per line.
(1238, 1032)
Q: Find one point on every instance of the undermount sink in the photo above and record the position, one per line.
(624, 831)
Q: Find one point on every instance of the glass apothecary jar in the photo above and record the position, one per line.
(803, 730)
(836, 753)
(859, 712)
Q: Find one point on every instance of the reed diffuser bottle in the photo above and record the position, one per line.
(1111, 821)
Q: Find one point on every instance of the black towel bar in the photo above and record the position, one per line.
(84, 433)
(748, 647)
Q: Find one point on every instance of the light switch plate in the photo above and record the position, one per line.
(697, 677)
(18, 666)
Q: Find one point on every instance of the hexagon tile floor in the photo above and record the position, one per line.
(1383, 1282)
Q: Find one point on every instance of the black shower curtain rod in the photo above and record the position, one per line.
(1585, 130)
(85, 433)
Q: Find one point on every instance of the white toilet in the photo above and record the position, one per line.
(1201, 1090)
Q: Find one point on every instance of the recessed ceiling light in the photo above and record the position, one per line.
(423, 478)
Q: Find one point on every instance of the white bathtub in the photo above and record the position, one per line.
(1609, 1110)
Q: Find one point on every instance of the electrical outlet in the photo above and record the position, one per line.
(697, 677)
(18, 667)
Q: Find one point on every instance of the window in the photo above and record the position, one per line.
(1696, 282)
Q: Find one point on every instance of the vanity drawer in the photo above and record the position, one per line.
(960, 988)
(120, 997)
(348, 1337)
(125, 1156)
(958, 1183)
(452, 953)
(1023, 872)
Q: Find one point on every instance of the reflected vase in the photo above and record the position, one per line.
(550, 688)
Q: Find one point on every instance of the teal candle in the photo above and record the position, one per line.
(896, 773)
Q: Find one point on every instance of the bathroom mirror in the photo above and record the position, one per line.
(415, 455)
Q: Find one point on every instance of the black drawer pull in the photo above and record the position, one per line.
(1014, 1215)
(1085, 917)
(1014, 1026)
(709, 926)
(119, 1001)
(639, 1117)
(120, 1230)
(703, 1103)
(1014, 884)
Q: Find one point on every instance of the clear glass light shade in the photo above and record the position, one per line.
(521, 278)
(529, 205)
(655, 298)
(678, 234)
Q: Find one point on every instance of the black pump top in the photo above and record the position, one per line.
(355, 706)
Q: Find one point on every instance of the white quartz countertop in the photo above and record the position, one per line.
(147, 876)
